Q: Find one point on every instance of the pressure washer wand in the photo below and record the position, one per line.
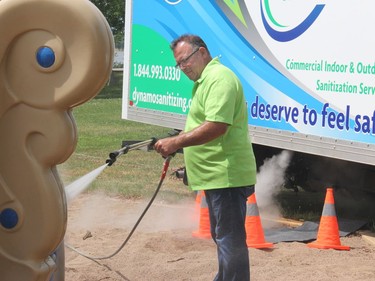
(147, 143)
(113, 155)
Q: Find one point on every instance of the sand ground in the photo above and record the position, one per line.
(163, 248)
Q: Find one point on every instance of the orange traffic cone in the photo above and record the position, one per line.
(204, 219)
(328, 232)
(198, 200)
(253, 225)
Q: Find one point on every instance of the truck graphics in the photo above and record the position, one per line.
(307, 68)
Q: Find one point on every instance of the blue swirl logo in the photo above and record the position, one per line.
(175, 2)
(285, 34)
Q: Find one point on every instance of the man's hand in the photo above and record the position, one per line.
(200, 135)
(166, 146)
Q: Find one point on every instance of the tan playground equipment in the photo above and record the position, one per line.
(55, 55)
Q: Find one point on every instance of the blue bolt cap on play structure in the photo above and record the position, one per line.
(45, 57)
(8, 218)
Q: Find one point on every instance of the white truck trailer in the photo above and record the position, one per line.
(307, 67)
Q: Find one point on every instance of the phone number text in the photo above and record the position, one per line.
(156, 72)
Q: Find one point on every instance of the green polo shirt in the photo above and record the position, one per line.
(227, 161)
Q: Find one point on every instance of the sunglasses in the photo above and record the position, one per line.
(185, 60)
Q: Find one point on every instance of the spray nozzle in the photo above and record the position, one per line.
(113, 155)
(110, 161)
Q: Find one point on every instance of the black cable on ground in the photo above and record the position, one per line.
(162, 177)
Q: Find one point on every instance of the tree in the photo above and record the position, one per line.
(114, 12)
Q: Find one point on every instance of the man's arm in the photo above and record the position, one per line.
(204, 133)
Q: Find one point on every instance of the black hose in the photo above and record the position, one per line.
(162, 177)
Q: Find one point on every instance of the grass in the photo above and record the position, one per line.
(135, 174)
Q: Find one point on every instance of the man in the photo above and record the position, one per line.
(218, 154)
